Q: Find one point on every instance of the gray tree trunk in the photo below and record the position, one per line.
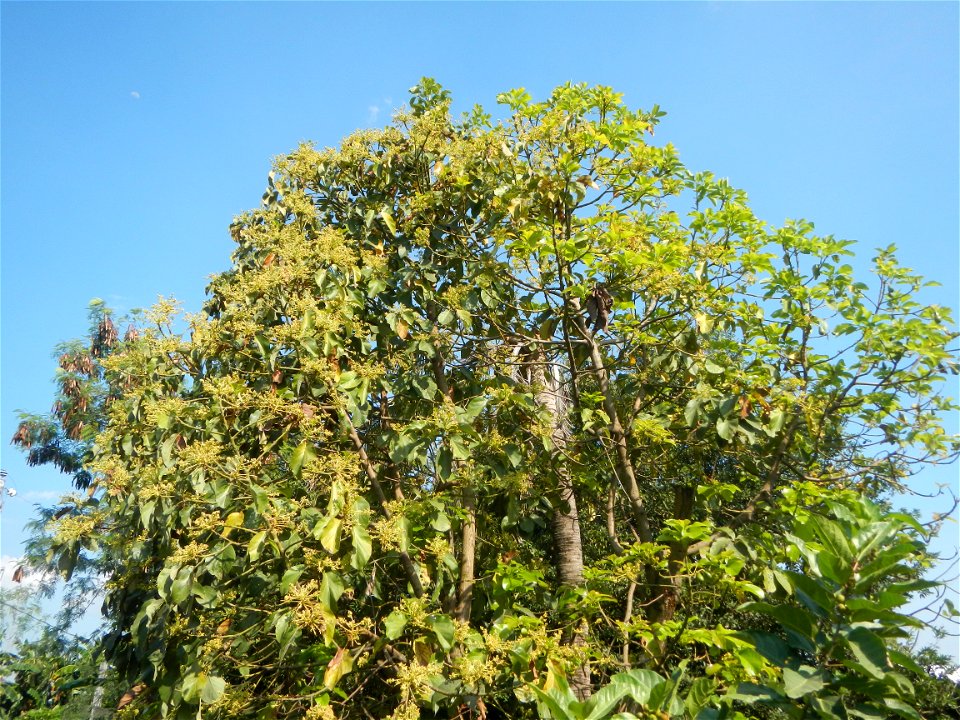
(548, 381)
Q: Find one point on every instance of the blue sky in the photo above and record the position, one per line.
(133, 132)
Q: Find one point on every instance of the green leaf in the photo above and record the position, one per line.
(362, 548)
(905, 661)
(330, 536)
(388, 221)
(394, 624)
(232, 521)
(750, 660)
(711, 367)
(425, 386)
(805, 680)
(473, 408)
(637, 684)
(255, 545)
(704, 324)
(443, 628)
(902, 709)
(444, 462)
(752, 692)
(699, 695)
(206, 595)
(302, 455)
(331, 588)
(832, 537)
(726, 427)
(549, 706)
(829, 707)
(459, 447)
(869, 650)
(440, 522)
(289, 578)
(775, 423)
(180, 590)
(212, 689)
(792, 618)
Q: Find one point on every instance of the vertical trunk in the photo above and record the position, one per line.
(468, 552)
(566, 520)
(96, 704)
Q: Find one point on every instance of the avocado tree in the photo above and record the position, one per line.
(515, 419)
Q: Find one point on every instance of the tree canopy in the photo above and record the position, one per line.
(504, 419)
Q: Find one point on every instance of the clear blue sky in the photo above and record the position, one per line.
(133, 132)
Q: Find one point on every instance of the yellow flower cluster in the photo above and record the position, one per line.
(163, 311)
(413, 679)
(353, 628)
(332, 248)
(438, 547)
(166, 407)
(234, 701)
(113, 474)
(188, 553)
(474, 670)
(388, 532)
(317, 560)
(415, 609)
(407, 710)
(320, 712)
(153, 485)
(308, 612)
(229, 390)
(202, 454)
(208, 522)
(70, 528)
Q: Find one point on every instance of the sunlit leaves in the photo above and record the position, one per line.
(402, 363)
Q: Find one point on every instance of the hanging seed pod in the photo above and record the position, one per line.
(68, 362)
(22, 437)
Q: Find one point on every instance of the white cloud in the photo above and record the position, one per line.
(8, 566)
(374, 113)
(40, 495)
(134, 94)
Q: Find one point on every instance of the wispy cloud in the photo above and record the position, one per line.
(40, 495)
(373, 111)
(135, 95)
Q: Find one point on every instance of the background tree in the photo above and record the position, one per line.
(487, 416)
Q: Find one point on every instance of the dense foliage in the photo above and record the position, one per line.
(509, 419)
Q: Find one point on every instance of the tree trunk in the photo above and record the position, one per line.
(468, 553)
(566, 520)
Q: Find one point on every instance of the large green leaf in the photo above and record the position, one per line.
(362, 547)
(869, 651)
(394, 624)
(213, 687)
(636, 684)
(302, 455)
(805, 680)
(444, 630)
(832, 538)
